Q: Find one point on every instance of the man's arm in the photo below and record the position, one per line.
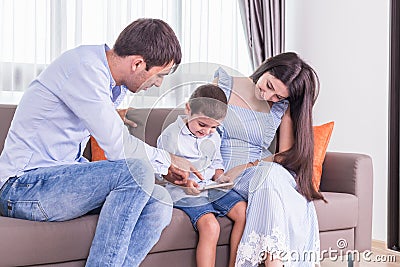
(180, 168)
(93, 106)
(122, 114)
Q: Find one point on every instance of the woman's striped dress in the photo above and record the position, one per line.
(279, 220)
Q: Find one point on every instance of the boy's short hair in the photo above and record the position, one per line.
(209, 100)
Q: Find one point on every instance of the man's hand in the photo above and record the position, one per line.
(122, 114)
(178, 172)
(191, 188)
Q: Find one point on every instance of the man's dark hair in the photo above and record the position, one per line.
(153, 39)
(210, 101)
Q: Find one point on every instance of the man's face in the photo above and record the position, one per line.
(142, 79)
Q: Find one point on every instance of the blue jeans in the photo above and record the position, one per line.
(133, 214)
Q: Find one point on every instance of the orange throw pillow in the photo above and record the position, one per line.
(97, 151)
(322, 135)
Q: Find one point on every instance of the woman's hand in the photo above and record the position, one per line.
(122, 114)
(233, 173)
(222, 179)
(269, 158)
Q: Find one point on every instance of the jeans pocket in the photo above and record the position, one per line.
(28, 210)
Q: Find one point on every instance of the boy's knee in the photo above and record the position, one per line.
(238, 212)
(209, 224)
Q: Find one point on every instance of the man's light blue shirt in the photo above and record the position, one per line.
(73, 98)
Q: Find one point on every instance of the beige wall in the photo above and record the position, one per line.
(347, 41)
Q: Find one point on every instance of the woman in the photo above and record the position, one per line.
(281, 226)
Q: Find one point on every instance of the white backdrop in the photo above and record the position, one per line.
(348, 44)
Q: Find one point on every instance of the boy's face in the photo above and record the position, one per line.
(201, 125)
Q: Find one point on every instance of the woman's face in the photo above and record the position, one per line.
(271, 89)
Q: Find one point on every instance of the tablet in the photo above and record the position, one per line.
(215, 185)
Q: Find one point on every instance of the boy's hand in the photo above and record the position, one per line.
(122, 114)
(191, 188)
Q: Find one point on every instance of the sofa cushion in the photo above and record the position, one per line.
(180, 233)
(341, 211)
(7, 113)
(151, 122)
(29, 243)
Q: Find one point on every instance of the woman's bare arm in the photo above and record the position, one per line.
(286, 134)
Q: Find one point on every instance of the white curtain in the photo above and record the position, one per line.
(35, 32)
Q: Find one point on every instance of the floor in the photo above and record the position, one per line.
(379, 256)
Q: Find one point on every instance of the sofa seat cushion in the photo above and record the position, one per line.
(25, 242)
(180, 233)
(341, 211)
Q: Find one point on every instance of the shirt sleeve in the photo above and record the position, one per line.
(86, 93)
(166, 142)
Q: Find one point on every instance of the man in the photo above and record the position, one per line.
(43, 175)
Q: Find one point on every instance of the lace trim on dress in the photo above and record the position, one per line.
(256, 249)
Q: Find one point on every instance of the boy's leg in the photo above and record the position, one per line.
(238, 215)
(209, 230)
(202, 217)
(66, 192)
(233, 206)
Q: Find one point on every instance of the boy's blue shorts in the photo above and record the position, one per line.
(196, 207)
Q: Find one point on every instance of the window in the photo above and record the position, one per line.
(35, 32)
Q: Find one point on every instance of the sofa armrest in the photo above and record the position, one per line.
(347, 173)
(353, 174)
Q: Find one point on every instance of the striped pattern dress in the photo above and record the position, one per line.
(279, 220)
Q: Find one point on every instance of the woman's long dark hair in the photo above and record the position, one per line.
(303, 84)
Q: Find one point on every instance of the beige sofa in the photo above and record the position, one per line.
(346, 183)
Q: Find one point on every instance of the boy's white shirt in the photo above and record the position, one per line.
(203, 153)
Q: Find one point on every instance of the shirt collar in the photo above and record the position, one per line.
(112, 81)
(183, 127)
(117, 93)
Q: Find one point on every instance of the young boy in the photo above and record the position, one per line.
(194, 137)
